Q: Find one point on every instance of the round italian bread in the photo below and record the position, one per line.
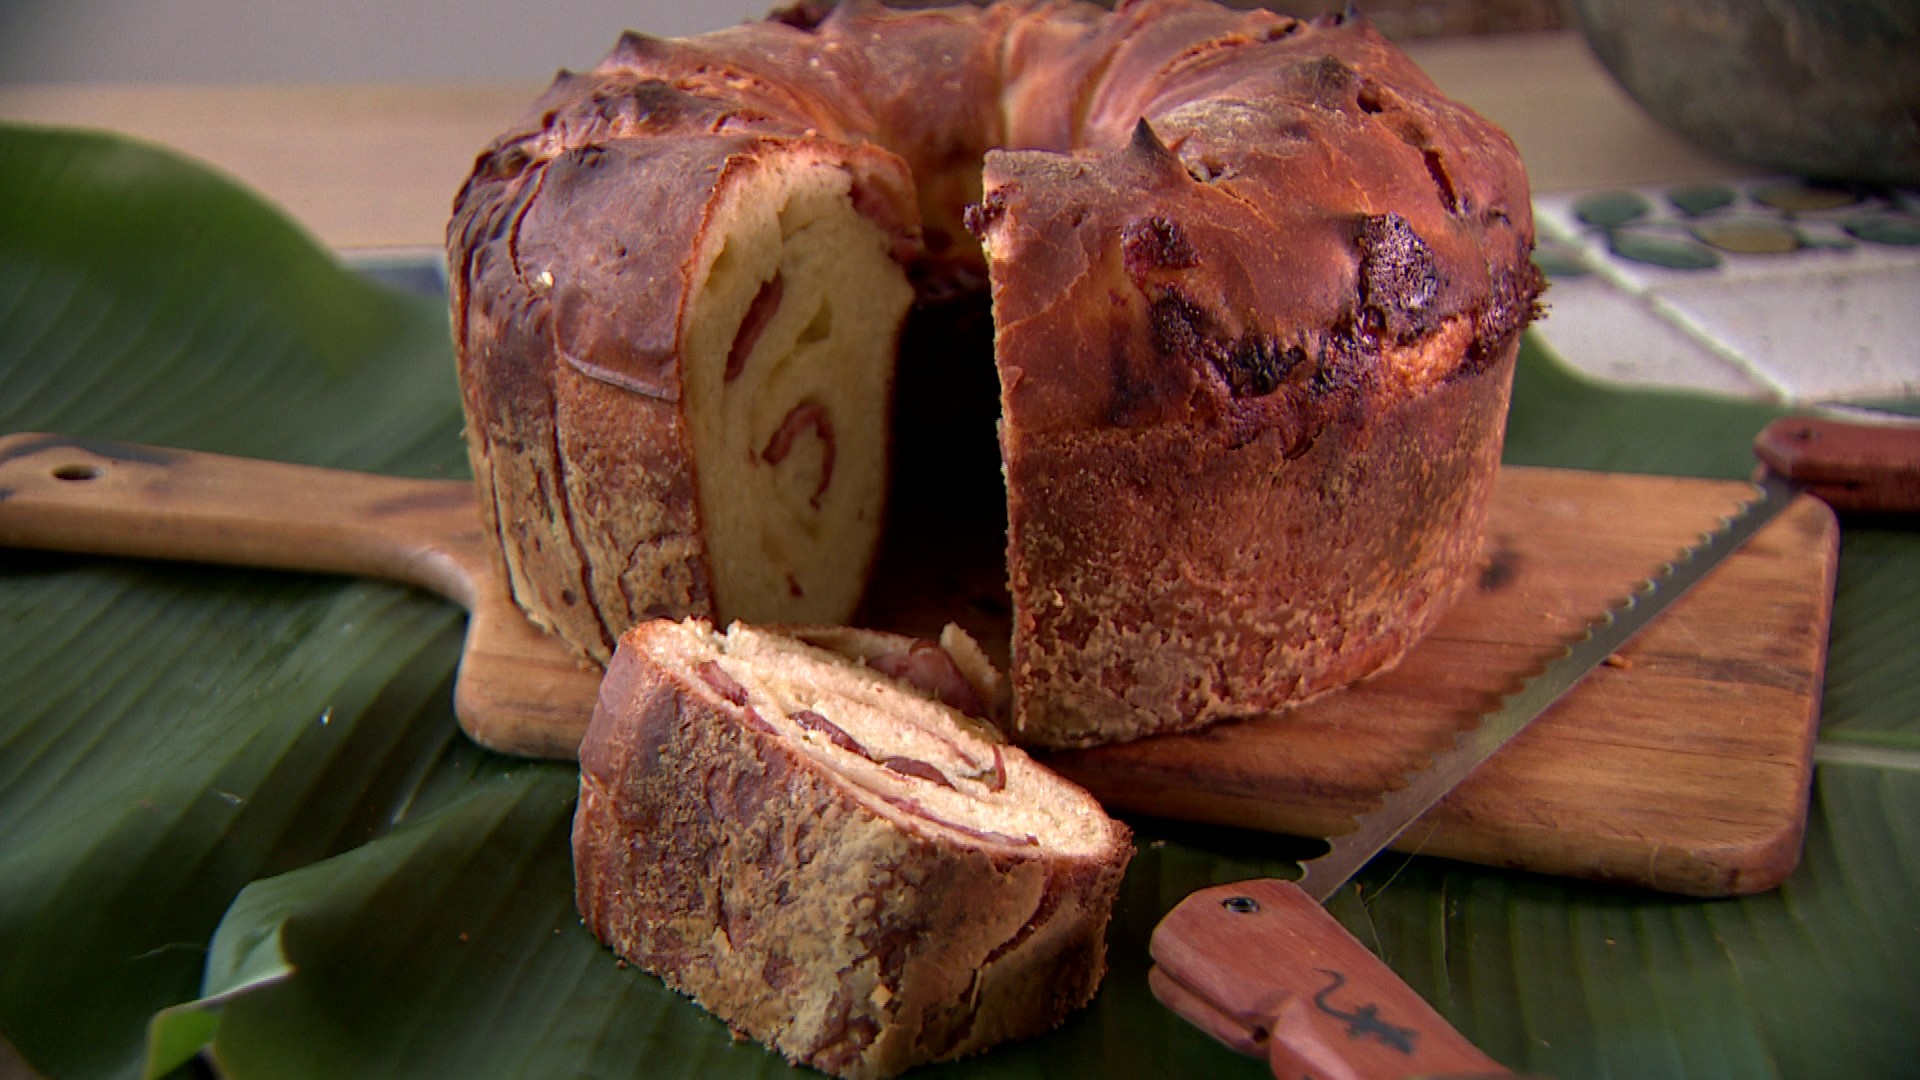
(1257, 288)
(830, 860)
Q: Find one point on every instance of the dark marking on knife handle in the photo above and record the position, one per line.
(1364, 1020)
(1852, 466)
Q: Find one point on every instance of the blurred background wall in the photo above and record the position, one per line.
(329, 40)
(225, 41)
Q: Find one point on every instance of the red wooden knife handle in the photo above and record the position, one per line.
(1850, 466)
(1263, 968)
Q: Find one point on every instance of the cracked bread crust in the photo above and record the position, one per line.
(570, 340)
(1260, 246)
(839, 928)
(1147, 612)
(1255, 349)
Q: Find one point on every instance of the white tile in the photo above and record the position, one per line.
(1614, 335)
(1809, 325)
(1824, 337)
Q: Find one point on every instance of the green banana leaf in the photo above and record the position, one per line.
(238, 825)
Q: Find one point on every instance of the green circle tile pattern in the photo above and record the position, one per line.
(1697, 199)
(1776, 217)
(1795, 195)
(1748, 236)
(1606, 209)
(1673, 251)
(1826, 241)
(1902, 230)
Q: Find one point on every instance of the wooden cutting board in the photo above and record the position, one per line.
(1685, 766)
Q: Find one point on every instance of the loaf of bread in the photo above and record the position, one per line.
(827, 857)
(1257, 289)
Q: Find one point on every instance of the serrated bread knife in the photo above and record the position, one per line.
(1261, 966)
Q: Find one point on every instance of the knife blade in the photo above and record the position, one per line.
(1263, 967)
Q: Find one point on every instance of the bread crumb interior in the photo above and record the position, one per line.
(789, 370)
(986, 790)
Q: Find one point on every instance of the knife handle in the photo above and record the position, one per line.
(1849, 466)
(1265, 969)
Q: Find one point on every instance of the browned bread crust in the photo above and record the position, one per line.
(570, 282)
(1258, 287)
(1255, 355)
(816, 907)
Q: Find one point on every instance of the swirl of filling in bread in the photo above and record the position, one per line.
(1257, 288)
(831, 859)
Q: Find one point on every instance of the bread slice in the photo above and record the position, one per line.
(703, 431)
(836, 864)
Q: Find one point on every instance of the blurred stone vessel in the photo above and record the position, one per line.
(1824, 88)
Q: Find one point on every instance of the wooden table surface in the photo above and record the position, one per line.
(376, 166)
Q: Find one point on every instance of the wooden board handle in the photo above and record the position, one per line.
(64, 494)
(519, 690)
(1850, 466)
(1262, 967)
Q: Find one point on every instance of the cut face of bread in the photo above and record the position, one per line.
(789, 374)
(916, 756)
(831, 861)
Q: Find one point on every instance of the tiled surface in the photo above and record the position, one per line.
(1627, 336)
(1836, 320)
(1823, 337)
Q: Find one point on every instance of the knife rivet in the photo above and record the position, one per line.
(1241, 905)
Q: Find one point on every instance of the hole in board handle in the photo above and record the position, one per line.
(77, 472)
